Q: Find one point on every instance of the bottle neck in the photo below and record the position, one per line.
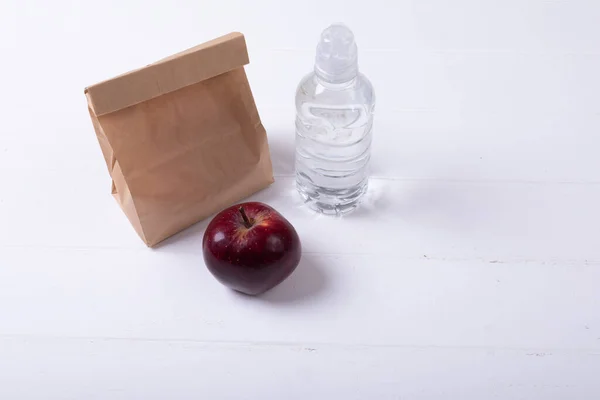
(336, 84)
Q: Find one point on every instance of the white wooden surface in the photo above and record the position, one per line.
(472, 271)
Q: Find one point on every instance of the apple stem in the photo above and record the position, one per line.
(245, 217)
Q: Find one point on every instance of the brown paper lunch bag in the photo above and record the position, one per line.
(182, 137)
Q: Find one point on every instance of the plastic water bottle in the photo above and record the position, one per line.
(334, 119)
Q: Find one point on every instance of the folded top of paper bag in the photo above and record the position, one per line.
(169, 74)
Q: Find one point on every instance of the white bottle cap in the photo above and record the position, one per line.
(337, 55)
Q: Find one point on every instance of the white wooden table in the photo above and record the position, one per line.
(471, 272)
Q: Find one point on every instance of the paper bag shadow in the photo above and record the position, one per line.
(189, 238)
(281, 146)
(306, 283)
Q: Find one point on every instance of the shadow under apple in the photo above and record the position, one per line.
(306, 283)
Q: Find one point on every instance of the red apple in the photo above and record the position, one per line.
(251, 248)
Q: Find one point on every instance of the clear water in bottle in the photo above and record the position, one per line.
(334, 120)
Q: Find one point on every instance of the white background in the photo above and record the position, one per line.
(471, 272)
